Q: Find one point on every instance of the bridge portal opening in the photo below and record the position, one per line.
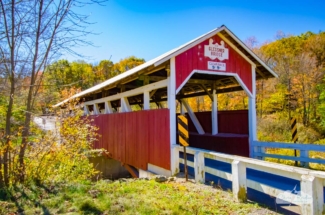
(212, 127)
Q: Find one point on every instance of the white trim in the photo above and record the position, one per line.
(191, 114)
(235, 75)
(189, 45)
(108, 107)
(251, 53)
(146, 100)
(125, 106)
(185, 81)
(214, 112)
(137, 91)
(159, 170)
(236, 49)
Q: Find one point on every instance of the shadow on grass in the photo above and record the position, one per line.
(88, 207)
(20, 196)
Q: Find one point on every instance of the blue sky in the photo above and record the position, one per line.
(149, 28)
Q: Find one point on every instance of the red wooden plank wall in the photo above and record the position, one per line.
(235, 122)
(136, 138)
(194, 58)
(233, 132)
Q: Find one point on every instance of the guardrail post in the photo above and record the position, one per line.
(239, 185)
(199, 167)
(311, 196)
(174, 159)
(304, 154)
(258, 149)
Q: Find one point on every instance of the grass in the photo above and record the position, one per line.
(117, 197)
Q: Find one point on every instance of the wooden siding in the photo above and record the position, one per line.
(136, 138)
(194, 58)
(232, 137)
(234, 122)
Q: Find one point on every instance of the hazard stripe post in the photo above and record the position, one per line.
(294, 134)
(183, 138)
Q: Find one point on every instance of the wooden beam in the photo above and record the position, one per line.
(191, 114)
(137, 91)
(207, 91)
(153, 92)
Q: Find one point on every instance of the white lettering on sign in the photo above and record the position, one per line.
(216, 66)
(214, 51)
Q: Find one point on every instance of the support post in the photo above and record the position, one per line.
(304, 154)
(171, 99)
(146, 100)
(96, 109)
(108, 107)
(252, 114)
(175, 159)
(199, 167)
(183, 110)
(214, 112)
(125, 106)
(311, 196)
(86, 110)
(239, 185)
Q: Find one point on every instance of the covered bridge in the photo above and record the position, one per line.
(136, 111)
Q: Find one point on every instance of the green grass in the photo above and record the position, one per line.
(131, 197)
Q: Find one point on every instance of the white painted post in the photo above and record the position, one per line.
(108, 107)
(214, 112)
(86, 110)
(193, 117)
(96, 109)
(304, 154)
(146, 100)
(199, 167)
(252, 115)
(125, 106)
(183, 110)
(239, 185)
(171, 99)
(311, 196)
(175, 159)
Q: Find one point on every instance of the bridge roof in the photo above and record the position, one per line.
(263, 71)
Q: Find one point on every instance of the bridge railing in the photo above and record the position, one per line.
(304, 158)
(309, 194)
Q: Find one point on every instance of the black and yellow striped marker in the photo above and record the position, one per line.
(294, 134)
(183, 136)
(294, 131)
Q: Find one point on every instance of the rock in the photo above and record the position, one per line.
(171, 179)
(123, 180)
(107, 180)
(160, 178)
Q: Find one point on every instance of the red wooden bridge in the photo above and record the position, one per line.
(136, 111)
(136, 114)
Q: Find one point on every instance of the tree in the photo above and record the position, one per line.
(32, 34)
(296, 59)
(127, 64)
